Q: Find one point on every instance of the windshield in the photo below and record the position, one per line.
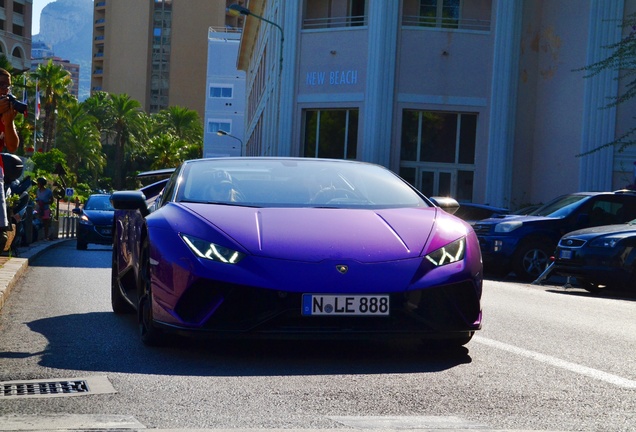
(294, 183)
(99, 202)
(561, 207)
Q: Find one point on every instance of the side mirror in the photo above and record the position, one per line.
(76, 211)
(130, 200)
(449, 205)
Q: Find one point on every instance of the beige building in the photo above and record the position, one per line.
(482, 100)
(154, 50)
(15, 32)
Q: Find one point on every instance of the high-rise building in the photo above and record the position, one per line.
(154, 50)
(15, 32)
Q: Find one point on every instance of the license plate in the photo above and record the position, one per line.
(107, 231)
(565, 254)
(320, 304)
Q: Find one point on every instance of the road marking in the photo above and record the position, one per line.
(572, 367)
(428, 423)
(68, 422)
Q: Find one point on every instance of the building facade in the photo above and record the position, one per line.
(154, 50)
(15, 32)
(482, 100)
(223, 123)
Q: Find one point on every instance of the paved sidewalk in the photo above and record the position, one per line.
(13, 267)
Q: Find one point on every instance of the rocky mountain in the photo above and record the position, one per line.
(67, 26)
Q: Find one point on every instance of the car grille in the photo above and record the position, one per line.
(571, 243)
(482, 229)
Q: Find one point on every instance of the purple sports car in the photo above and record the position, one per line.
(293, 247)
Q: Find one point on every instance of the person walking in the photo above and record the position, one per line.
(44, 199)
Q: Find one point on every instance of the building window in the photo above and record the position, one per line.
(438, 152)
(221, 91)
(216, 125)
(448, 14)
(331, 133)
(18, 8)
(333, 13)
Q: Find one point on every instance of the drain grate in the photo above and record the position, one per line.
(43, 388)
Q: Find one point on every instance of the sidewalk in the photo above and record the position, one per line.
(13, 267)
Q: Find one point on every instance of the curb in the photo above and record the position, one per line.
(15, 267)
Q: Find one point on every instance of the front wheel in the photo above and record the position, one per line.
(531, 259)
(149, 334)
(117, 300)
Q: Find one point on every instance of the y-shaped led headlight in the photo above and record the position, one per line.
(211, 251)
(448, 254)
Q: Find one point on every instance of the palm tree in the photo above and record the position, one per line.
(79, 138)
(182, 122)
(53, 83)
(126, 119)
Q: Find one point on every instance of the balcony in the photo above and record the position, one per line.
(446, 23)
(334, 22)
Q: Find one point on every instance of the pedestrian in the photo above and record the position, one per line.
(9, 141)
(44, 199)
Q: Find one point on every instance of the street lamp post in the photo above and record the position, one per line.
(236, 10)
(224, 133)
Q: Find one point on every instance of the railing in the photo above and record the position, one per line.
(67, 226)
(331, 22)
(446, 23)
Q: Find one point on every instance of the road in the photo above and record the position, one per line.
(548, 358)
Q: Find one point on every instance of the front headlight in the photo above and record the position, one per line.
(211, 251)
(448, 254)
(84, 220)
(605, 242)
(506, 227)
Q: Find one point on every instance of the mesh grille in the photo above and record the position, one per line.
(43, 388)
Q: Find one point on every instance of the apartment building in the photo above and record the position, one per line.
(154, 50)
(15, 32)
(482, 100)
(223, 124)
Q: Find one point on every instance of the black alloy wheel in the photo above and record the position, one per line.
(118, 302)
(149, 334)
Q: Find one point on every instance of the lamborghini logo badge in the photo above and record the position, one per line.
(342, 268)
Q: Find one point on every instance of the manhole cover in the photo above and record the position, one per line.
(55, 387)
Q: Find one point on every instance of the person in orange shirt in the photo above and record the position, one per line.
(9, 141)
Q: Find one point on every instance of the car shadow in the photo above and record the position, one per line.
(105, 342)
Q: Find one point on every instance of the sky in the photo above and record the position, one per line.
(38, 5)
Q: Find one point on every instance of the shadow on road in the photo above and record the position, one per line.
(105, 342)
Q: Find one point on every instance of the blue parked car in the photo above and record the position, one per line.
(524, 244)
(95, 222)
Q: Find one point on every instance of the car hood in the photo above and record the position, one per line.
(508, 218)
(100, 217)
(602, 230)
(311, 234)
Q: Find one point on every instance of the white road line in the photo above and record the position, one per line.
(572, 367)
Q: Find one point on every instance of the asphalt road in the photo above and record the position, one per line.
(548, 358)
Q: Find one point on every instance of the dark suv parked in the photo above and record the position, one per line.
(524, 243)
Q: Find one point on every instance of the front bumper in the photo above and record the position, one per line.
(95, 234)
(233, 310)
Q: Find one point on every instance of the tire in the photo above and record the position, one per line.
(531, 259)
(118, 302)
(591, 287)
(149, 334)
(81, 245)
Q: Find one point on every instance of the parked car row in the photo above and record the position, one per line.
(590, 236)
